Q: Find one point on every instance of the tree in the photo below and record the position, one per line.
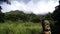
(56, 17)
(7, 1)
(49, 16)
(56, 12)
(2, 14)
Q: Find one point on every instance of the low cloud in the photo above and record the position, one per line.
(39, 7)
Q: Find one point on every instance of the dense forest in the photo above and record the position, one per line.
(21, 16)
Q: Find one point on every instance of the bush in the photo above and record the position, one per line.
(20, 28)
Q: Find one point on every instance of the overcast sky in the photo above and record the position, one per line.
(28, 6)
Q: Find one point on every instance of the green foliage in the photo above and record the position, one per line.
(1, 15)
(20, 28)
(18, 22)
(49, 16)
(20, 15)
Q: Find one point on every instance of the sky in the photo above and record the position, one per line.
(30, 6)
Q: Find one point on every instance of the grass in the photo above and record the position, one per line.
(20, 28)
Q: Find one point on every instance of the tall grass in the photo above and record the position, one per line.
(20, 28)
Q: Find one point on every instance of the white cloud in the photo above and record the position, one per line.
(42, 7)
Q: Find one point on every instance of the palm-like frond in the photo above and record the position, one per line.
(7, 1)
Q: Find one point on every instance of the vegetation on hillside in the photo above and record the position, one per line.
(18, 22)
